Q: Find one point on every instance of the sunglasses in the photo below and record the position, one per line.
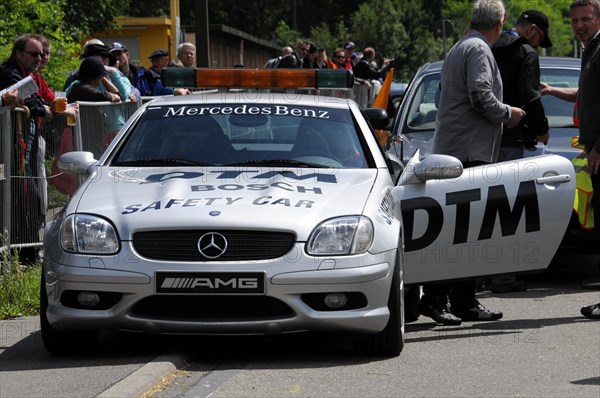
(305, 49)
(34, 54)
(340, 56)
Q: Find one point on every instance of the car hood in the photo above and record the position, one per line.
(266, 199)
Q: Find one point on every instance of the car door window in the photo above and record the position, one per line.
(423, 107)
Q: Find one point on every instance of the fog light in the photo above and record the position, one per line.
(88, 299)
(335, 300)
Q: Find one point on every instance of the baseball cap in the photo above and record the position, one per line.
(99, 49)
(91, 68)
(159, 53)
(349, 44)
(116, 46)
(538, 18)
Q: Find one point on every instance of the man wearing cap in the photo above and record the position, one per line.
(127, 68)
(93, 48)
(519, 64)
(103, 54)
(150, 84)
(350, 55)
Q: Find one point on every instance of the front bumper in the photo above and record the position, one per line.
(283, 308)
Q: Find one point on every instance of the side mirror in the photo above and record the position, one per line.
(431, 167)
(438, 167)
(76, 162)
(377, 117)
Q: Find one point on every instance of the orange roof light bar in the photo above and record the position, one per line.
(256, 78)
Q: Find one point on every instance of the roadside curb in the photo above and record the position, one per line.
(145, 377)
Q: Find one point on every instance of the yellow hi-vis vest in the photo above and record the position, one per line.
(584, 190)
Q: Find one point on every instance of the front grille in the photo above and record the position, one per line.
(241, 245)
(207, 308)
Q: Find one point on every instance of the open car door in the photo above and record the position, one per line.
(500, 218)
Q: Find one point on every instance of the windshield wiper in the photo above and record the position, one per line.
(161, 162)
(278, 162)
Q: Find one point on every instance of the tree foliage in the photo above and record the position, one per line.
(557, 11)
(85, 17)
(45, 17)
(64, 22)
(420, 21)
(285, 36)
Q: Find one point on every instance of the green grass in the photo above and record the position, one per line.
(19, 290)
(19, 285)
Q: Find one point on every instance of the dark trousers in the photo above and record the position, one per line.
(596, 204)
(596, 201)
(461, 293)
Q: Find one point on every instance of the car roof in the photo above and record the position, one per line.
(545, 62)
(560, 62)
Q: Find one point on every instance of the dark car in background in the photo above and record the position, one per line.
(397, 91)
(414, 125)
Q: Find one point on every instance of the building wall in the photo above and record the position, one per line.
(141, 36)
(227, 46)
(227, 52)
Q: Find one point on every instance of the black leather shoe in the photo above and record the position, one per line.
(591, 311)
(477, 312)
(439, 311)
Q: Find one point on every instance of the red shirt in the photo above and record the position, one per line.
(44, 91)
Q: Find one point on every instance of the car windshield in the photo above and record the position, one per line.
(238, 135)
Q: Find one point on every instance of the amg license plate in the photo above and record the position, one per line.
(210, 282)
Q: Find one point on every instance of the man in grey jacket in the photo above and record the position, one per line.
(469, 127)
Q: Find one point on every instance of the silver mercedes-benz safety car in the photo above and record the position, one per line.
(254, 212)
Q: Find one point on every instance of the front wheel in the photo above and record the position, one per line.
(390, 341)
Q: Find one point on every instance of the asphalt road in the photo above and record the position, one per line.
(542, 347)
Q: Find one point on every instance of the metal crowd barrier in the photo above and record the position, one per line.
(364, 95)
(31, 187)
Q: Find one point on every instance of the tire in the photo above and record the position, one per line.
(390, 341)
(62, 343)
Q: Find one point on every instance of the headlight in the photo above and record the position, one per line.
(341, 236)
(84, 233)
